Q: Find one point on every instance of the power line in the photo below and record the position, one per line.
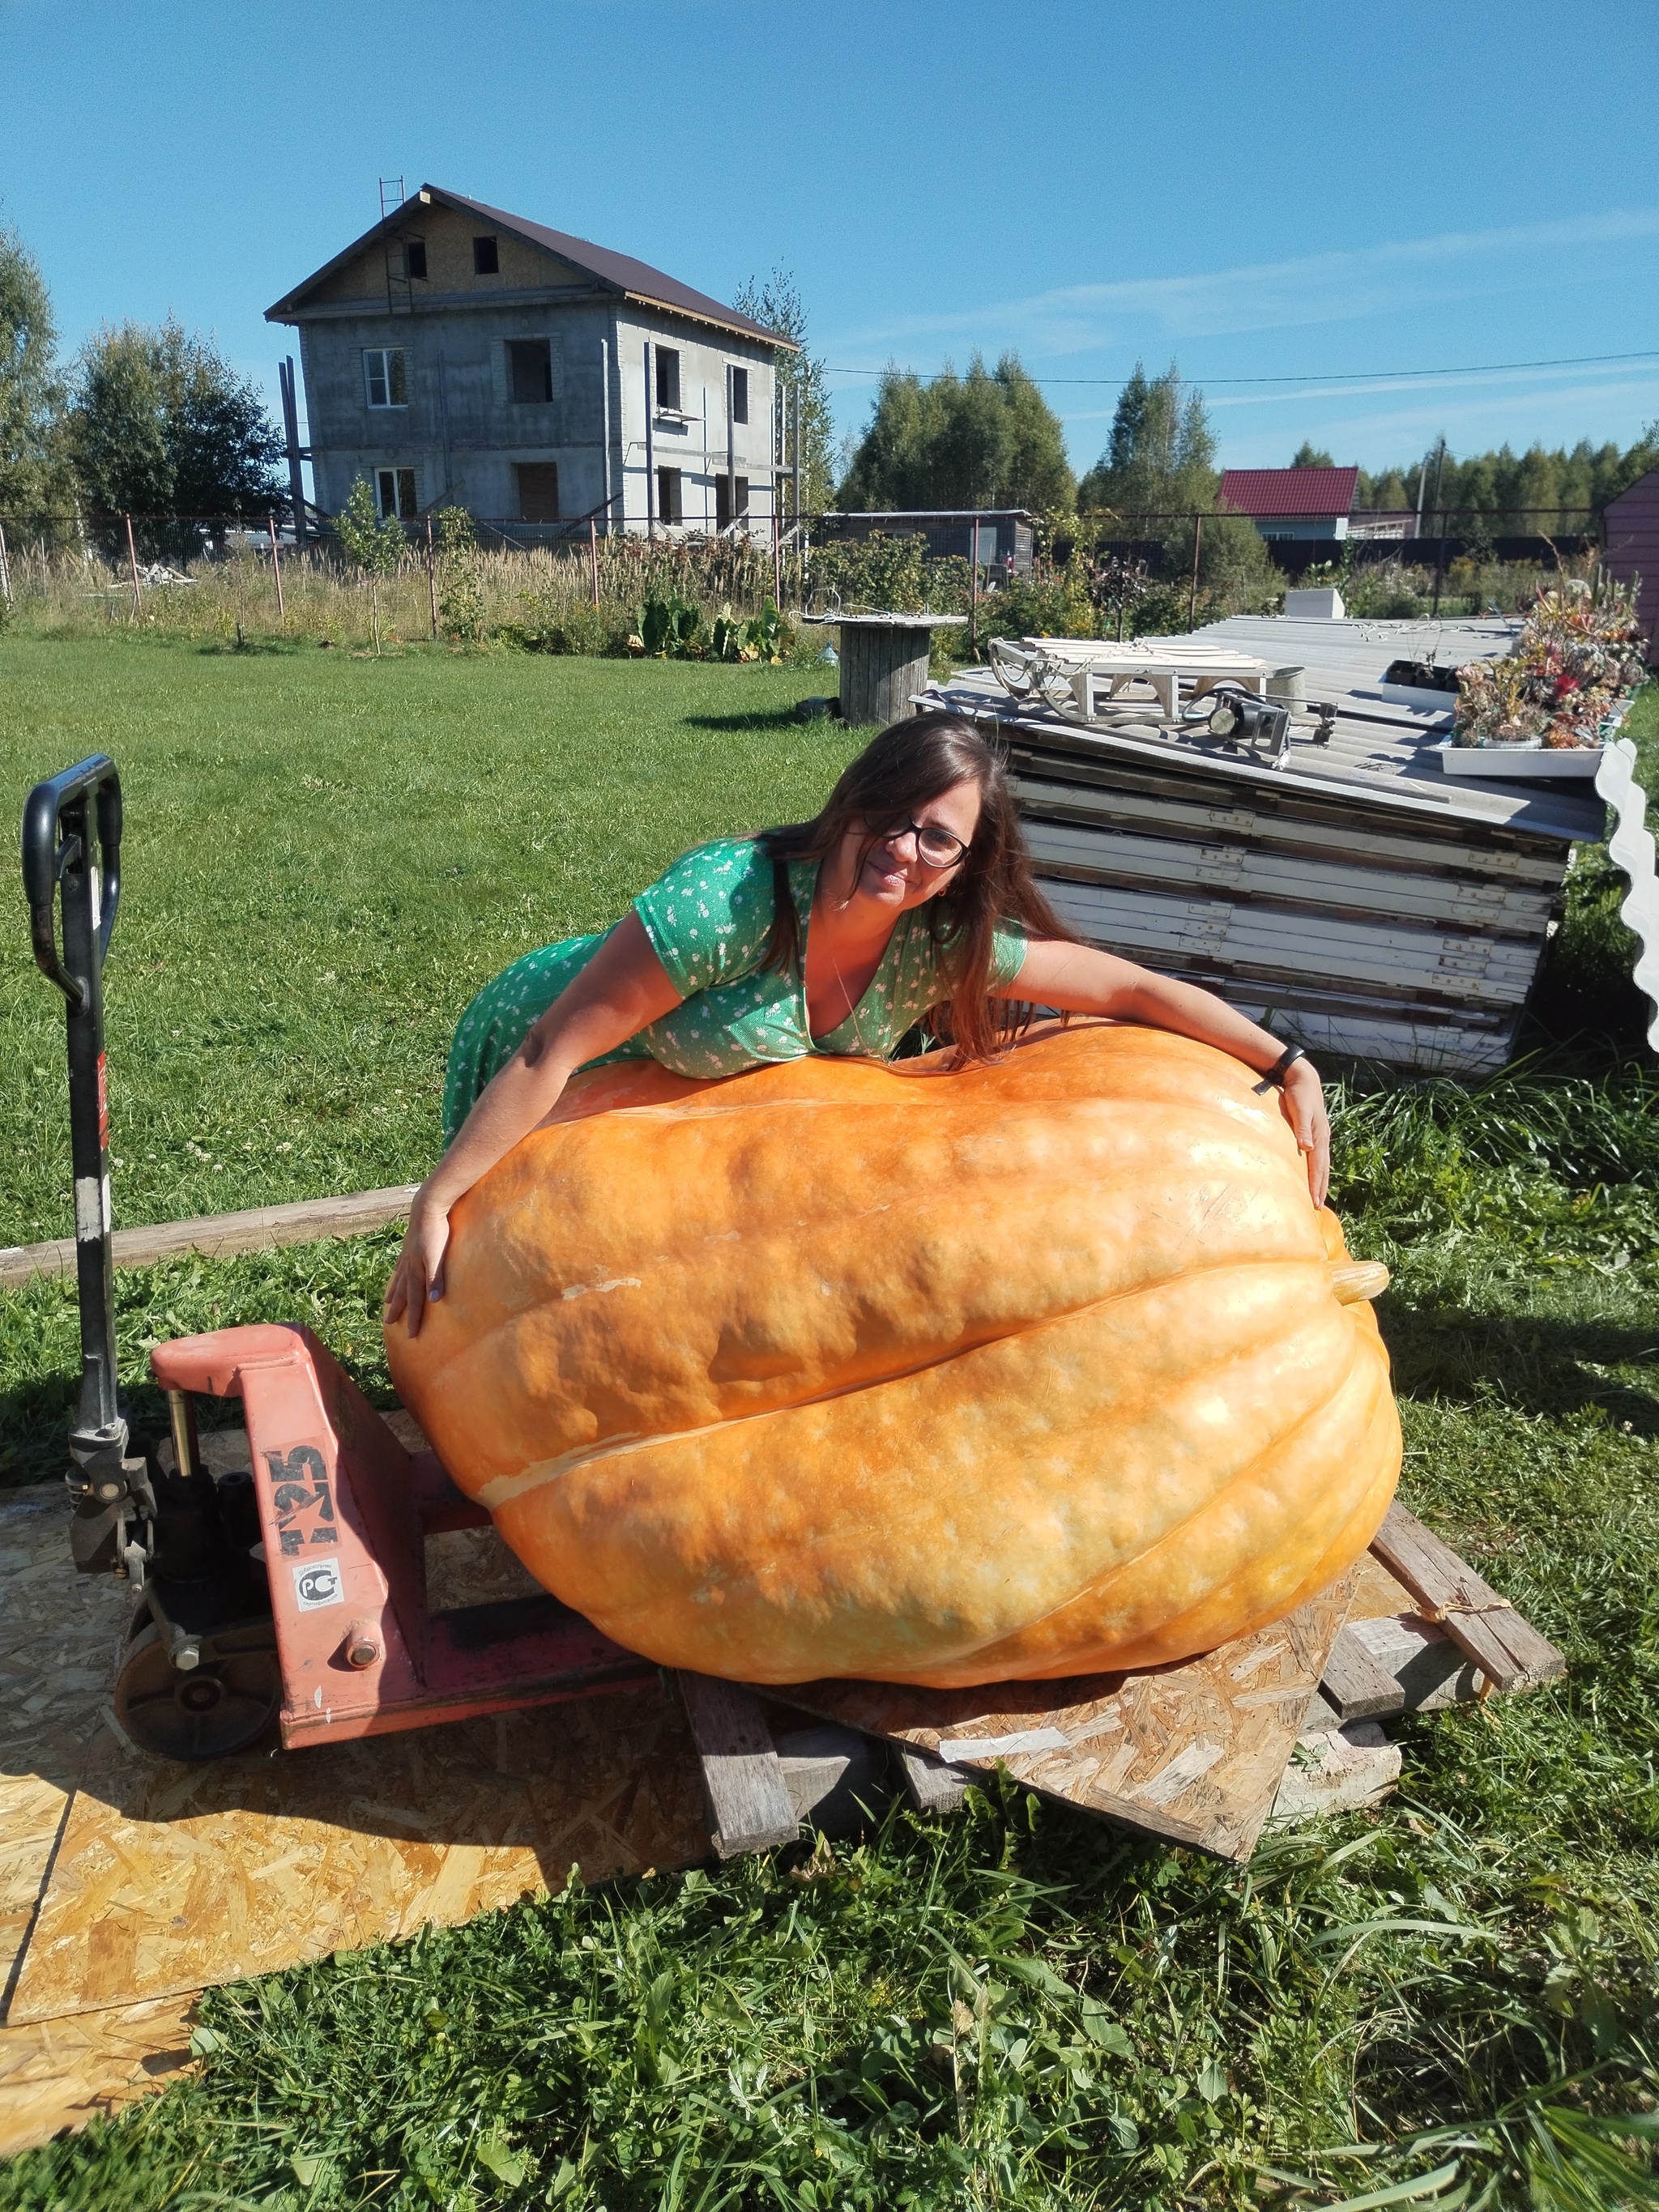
(1336, 376)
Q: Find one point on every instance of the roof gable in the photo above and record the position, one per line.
(619, 273)
(1267, 492)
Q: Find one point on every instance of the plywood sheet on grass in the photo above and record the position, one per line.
(60, 2074)
(132, 1880)
(1193, 1754)
(170, 1877)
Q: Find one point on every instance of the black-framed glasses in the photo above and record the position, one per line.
(935, 848)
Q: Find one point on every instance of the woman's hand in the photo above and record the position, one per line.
(419, 1274)
(1302, 1101)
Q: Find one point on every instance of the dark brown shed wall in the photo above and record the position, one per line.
(1629, 534)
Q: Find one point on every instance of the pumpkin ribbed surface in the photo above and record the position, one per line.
(1032, 1370)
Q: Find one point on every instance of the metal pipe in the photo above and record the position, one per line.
(730, 453)
(296, 483)
(604, 412)
(431, 576)
(593, 557)
(1192, 596)
(133, 557)
(181, 1418)
(650, 450)
(276, 568)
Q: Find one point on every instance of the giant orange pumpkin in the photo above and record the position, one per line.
(833, 1368)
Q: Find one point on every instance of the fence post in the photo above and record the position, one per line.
(276, 568)
(973, 584)
(1192, 596)
(5, 567)
(133, 557)
(593, 555)
(431, 577)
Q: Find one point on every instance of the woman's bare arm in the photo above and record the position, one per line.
(623, 988)
(1079, 979)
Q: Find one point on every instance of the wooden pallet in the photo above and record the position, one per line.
(1199, 1753)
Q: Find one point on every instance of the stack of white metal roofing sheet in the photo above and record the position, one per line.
(1352, 897)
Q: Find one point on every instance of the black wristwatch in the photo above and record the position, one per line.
(1275, 1078)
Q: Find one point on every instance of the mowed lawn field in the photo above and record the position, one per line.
(1450, 2000)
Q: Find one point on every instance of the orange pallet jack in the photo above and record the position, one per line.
(295, 1591)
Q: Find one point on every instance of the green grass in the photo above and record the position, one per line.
(1453, 1995)
(325, 855)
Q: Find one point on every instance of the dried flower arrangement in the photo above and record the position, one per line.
(1575, 664)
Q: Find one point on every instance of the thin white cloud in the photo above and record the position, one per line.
(1320, 288)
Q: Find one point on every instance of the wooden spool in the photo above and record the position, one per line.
(884, 663)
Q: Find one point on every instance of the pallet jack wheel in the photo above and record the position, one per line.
(223, 1705)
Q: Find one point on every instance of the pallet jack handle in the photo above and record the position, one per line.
(72, 852)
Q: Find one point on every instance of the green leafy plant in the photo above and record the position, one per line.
(670, 628)
(460, 597)
(370, 541)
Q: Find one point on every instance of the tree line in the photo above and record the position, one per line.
(154, 420)
(144, 420)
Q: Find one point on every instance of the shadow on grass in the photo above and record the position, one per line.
(1535, 1365)
(754, 718)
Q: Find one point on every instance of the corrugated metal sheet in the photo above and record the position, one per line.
(1353, 896)
(1268, 492)
(1630, 539)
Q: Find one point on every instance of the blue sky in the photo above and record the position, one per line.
(1257, 189)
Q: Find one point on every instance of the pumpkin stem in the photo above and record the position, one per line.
(1352, 1280)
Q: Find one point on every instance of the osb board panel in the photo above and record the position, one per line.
(170, 1877)
(1376, 1594)
(58, 1636)
(1195, 1753)
(167, 1877)
(62, 2073)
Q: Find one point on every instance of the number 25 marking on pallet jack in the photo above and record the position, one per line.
(293, 1478)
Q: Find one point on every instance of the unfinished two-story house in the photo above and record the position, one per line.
(455, 355)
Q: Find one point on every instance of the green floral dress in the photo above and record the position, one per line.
(707, 918)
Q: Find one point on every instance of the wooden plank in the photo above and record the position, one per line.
(1355, 1684)
(748, 1802)
(931, 1785)
(1193, 1752)
(1507, 1649)
(261, 1228)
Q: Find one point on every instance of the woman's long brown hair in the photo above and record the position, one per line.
(897, 772)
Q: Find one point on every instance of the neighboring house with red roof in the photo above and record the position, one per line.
(1292, 502)
(458, 355)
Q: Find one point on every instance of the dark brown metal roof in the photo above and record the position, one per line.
(617, 272)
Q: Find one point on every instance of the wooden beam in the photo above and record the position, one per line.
(261, 1229)
(1355, 1684)
(749, 1804)
(1507, 1649)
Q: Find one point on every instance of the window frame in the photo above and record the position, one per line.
(671, 494)
(492, 267)
(400, 477)
(739, 392)
(385, 356)
(414, 251)
(543, 399)
(667, 358)
(518, 468)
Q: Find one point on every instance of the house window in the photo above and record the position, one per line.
(740, 395)
(538, 491)
(415, 257)
(394, 490)
(669, 509)
(724, 488)
(668, 378)
(385, 372)
(530, 371)
(486, 257)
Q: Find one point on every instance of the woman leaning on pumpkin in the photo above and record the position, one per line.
(910, 890)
